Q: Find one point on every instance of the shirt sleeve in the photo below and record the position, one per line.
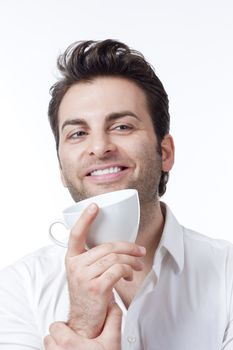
(228, 336)
(18, 326)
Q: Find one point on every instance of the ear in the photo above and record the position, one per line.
(168, 153)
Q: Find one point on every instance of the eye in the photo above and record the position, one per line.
(123, 127)
(77, 135)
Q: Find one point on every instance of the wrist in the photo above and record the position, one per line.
(83, 328)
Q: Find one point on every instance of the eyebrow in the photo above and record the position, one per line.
(110, 117)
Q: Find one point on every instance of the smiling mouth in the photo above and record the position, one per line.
(107, 171)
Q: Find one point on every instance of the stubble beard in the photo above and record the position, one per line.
(146, 184)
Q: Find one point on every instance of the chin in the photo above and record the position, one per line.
(105, 189)
(108, 188)
(93, 191)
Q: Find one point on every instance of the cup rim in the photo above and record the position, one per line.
(72, 209)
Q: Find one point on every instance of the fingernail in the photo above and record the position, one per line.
(142, 249)
(92, 208)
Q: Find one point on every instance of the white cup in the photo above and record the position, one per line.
(117, 220)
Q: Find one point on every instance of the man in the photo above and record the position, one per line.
(173, 287)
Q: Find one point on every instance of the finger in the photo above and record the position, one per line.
(62, 334)
(103, 264)
(109, 278)
(50, 344)
(78, 234)
(112, 329)
(93, 255)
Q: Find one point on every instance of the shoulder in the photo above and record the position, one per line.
(32, 293)
(33, 280)
(193, 239)
(46, 261)
(195, 249)
(209, 254)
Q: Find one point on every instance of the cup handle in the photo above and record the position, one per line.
(54, 239)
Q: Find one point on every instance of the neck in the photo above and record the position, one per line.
(150, 232)
(150, 229)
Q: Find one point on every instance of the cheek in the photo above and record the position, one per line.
(144, 157)
(67, 156)
(66, 164)
(144, 149)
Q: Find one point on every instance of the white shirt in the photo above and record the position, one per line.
(185, 303)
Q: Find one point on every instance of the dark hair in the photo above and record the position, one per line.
(86, 60)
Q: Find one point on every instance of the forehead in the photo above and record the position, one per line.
(102, 96)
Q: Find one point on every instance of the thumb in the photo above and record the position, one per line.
(112, 327)
(78, 234)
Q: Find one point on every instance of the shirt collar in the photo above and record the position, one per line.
(171, 242)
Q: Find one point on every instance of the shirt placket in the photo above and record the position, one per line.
(130, 330)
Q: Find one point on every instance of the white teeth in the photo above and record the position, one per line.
(111, 170)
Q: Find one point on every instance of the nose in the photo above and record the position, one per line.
(100, 145)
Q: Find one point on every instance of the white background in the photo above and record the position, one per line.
(190, 44)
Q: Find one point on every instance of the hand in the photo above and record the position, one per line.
(92, 275)
(63, 338)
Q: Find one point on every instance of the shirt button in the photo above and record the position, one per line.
(131, 339)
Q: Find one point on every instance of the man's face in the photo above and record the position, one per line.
(107, 140)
